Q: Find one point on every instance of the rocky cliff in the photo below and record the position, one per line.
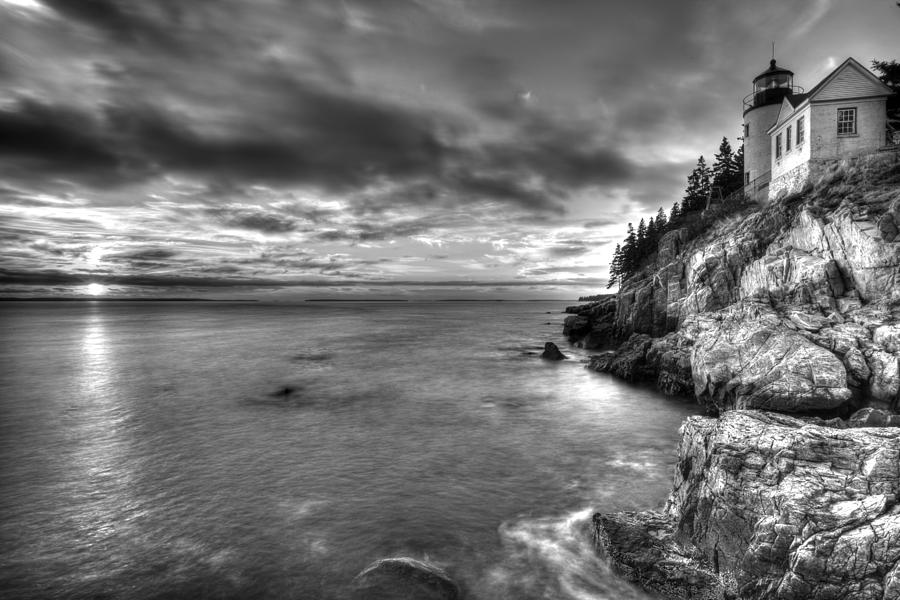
(792, 308)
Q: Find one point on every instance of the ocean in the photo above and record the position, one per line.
(261, 450)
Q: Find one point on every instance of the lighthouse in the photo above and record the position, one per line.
(761, 109)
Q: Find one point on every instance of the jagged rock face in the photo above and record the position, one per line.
(790, 510)
(744, 357)
(665, 360)
(591, 325)
(856, 245)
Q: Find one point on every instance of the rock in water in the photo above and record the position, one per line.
(551, 352)
(405, 578)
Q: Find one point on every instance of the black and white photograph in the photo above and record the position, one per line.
(449, 300)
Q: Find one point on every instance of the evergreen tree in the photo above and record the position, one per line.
(615, 268)
(675, 213)
(737, 181)
(661, 222)
(629, 253)
(704, 180)
(723, 168)
(698, 187)
(889, 73)
(652, 237)
(641, 241)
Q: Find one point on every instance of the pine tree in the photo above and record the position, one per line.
(641, 243)
(889, 73)
(661, 222)
(723, 167)
(629, 253)
(737, 177)
(698, 187)
(615, 268)
(704, 180)
(674, 213)
(652, 237)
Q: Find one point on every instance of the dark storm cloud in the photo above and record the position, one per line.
(254, 219)
(335, 141)
(288, 126)
(124, 21)
(378, 231)
(143, 254)
(567, 251)
(52, 138)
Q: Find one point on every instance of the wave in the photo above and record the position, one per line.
(553, 557)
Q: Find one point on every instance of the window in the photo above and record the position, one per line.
(800, 124)
(746, 130)
(846, 121)
(778, 147)
(787, 140)
(746, 178)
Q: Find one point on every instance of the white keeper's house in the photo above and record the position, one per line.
(790, 135)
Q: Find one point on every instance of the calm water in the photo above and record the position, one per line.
(146, 452)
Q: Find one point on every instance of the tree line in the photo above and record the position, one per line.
(724, 177)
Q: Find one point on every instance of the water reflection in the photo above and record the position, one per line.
(100, 478)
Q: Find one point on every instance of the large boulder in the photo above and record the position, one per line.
(745, 357)
(405, 578)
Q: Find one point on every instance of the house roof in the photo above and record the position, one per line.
(796, 99)
(869, 84)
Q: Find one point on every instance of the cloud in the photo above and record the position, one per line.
(43, 137)
(567, 251)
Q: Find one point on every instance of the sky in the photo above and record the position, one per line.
(289, 149)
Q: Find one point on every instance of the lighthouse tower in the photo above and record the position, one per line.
(761, 109)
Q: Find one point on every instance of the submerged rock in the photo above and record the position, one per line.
(552, 352)
(405, 578)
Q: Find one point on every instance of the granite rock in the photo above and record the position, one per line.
(767, 506)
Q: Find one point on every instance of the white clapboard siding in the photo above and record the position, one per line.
(850, 82)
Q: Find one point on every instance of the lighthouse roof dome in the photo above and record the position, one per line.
(773, 70)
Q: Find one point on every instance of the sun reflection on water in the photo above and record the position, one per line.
(99, 470)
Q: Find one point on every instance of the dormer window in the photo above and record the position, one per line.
(846, 121)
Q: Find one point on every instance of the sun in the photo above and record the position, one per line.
(95, 289)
